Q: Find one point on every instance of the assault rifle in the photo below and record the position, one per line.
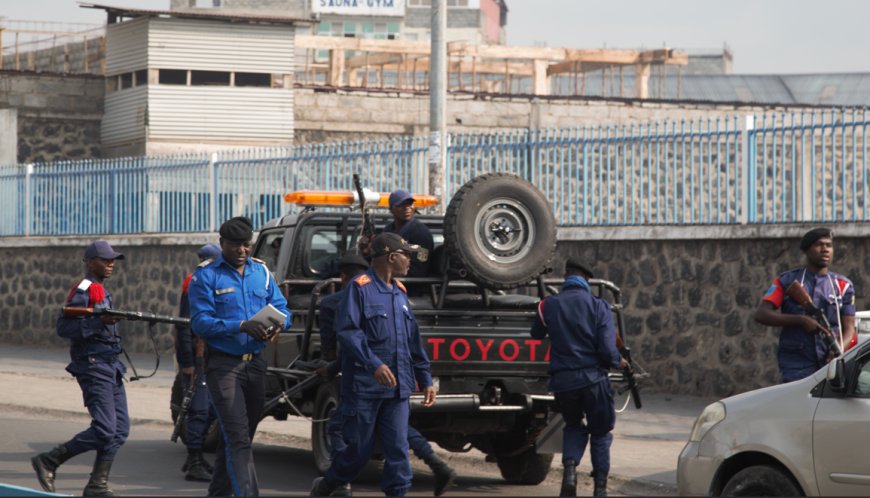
(73, 312)
(797, 292)
(190, 390)
(628, 372)
(368, 227)
(151, 318)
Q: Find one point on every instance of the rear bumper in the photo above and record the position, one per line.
(457, 403)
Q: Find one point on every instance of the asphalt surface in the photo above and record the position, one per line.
(644, 455)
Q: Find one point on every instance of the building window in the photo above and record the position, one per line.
(172, 77)
(210, 78)
(125, 81)
(253, 79)
(140, 77)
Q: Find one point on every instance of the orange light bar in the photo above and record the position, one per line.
(339, 198)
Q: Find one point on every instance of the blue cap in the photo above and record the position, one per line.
(209, 251)
(101, 249)
(399, 196)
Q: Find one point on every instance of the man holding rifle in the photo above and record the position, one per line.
(582, 350)
(806, 343)
(94, 348)
(190, 374)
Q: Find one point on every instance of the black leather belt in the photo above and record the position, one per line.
(243, 357)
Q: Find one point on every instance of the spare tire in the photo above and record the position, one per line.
(501, 230)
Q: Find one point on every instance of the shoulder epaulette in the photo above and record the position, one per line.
(258, 260)
(401, 286)
(84, 284)
(362, 280)
(205, 263)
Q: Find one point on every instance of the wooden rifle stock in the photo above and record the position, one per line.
(797, 293)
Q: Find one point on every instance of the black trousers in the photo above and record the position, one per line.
(237, 389)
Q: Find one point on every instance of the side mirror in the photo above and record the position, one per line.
(837, 375)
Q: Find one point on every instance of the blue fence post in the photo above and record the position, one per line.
(747, 204)
(212, 192)
(28, 200)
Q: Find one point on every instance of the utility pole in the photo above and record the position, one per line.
(437, 101)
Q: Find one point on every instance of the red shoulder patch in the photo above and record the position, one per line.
(186, 284)
(362, 280)
(401, 286)
(96, 294)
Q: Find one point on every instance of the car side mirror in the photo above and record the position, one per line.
(837, 374)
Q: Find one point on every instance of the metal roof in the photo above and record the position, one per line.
(205, 14)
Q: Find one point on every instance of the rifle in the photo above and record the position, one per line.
(151, 318)
(797, 292)
(199, 352)
(628, 372)
(368, 228)
(73, 312)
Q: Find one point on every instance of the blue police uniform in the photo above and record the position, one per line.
(199, 417)
(220, 300)
(582, 350)
(328, 308)
(94, 351)
(416, 232)
(377, 327)
(801, 354)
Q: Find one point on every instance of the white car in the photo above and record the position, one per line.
(808, 437)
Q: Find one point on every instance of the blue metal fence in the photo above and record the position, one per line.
(785, 167)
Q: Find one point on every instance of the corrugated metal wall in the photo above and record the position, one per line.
(126, 46)
(220, 46)
(219, 114)
(124, 118)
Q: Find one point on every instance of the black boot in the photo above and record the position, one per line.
(444, 475)
(569, 479)
(45, 464)
(98, 485)
(320, 487)
(196, 467)
(600, 485)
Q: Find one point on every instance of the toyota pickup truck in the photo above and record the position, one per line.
(493, 250)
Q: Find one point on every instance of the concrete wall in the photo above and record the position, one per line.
(58, 116)
(8, 136)
(689, 293)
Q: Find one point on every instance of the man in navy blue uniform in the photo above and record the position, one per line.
(382, 362)
(582, 350)
(224, 295)
(411, 229)
(802, 350)
(94, 348)
(199, 417)
(350, 266)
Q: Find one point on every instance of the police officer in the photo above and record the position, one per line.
(224, 295)
(382, 360)
(350, 266)
(411, 229)
(199, 417)
(94, 347)
(582, 350)
(802, 350)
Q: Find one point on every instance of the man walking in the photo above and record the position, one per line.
(582, 350)
(224, 295)
(94, 348)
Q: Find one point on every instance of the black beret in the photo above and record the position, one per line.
(352, 259)
(813, 235)
(238, 229)
(576, 264)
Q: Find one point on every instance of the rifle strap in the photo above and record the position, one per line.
(136, 375)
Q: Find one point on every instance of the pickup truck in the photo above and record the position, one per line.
(493, 249)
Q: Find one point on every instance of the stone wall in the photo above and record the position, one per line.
(58, 116)
(689, 295)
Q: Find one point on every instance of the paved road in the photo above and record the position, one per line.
(35, 387)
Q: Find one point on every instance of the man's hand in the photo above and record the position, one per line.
(256, 330)
(623, 364)
(809, 324)
(385, 377)
(274, 330)
(429, 396)
(322, 372)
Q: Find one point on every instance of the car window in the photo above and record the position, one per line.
(324, 251)
(270, 248)
(862, 386)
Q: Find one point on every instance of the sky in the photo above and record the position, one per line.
(764, 36)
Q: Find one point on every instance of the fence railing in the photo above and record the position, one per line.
(808, 166)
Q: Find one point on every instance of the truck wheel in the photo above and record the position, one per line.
(325, 404)
(761, 480)
(528, 467)
(501, 230)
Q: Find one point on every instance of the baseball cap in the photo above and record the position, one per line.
(101, 249)
(389, 242)
(399, 196)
